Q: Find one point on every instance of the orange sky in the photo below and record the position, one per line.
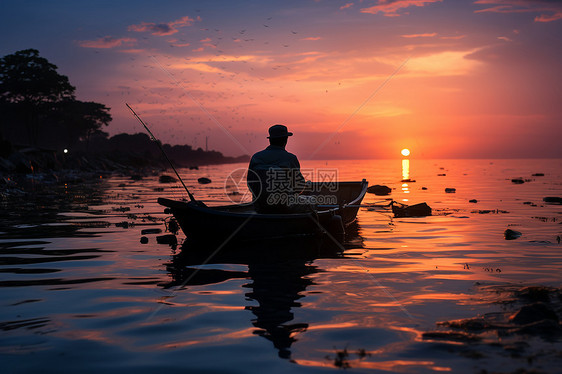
(351, 79)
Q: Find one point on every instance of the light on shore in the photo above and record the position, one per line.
(405, 152)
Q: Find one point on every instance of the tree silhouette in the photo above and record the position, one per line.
(33, 93)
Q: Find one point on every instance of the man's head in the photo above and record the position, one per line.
(278, 135)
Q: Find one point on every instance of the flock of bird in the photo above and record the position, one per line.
(230, 86)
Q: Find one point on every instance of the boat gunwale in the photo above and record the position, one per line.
(220, 212)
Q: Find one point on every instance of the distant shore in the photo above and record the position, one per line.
(123, 153)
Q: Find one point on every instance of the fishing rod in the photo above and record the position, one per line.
(153, 138)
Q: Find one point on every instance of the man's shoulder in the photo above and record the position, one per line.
(273, 154)
(259, 154)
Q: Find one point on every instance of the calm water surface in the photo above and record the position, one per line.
(80, 293)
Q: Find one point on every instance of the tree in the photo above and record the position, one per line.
(27, 78)
(33, 93)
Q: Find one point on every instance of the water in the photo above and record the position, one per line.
(80, 293)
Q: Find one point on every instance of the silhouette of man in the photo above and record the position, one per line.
(274, 175)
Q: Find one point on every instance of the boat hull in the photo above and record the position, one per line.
(240, 222)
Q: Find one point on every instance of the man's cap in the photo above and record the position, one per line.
(278, 131)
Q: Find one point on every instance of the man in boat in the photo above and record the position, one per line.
(275, 178)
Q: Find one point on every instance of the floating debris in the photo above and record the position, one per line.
(510, 234)
(143, 240)
(194, 168)
(122, 209)
(538, 175)
(546, 219)
(517, 180)
(204, 180)
(526, 312)
(451, 336)
(151, 231)
(342, 358)
(123, 224)
(172, 225)
(379, 190)
(450, 190)
(493, 211)
(473, 201)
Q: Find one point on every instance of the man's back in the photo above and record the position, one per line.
(274, 175)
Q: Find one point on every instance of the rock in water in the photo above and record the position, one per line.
(166, 179)
(450, 190)
(552, 199)
(379, 190)
(511, 234)
(204, 180)
(417, 210)
(167, 239)
(534, 313)
(517, 181)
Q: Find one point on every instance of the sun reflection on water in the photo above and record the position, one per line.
(405, 177)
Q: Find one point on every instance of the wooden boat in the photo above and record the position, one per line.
(240, 222)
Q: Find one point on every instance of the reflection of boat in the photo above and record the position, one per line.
(276, 281)
(240, 222)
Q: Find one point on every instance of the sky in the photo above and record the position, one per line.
(352, 79)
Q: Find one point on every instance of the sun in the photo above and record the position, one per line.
(405, 152)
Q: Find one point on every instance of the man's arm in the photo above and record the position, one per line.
(300, 183)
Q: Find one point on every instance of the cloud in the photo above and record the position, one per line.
(162, 29)
(106, 42)
(446, 63)
(546, 18)
(427, 35)
(550, 10)
(133, 51)
(454, 37)
(348, 5)
(390, 8)
(312, 38)
(180, 44)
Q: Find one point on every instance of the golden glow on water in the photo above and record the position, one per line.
(405, 175)
(398, 278)
(405, 169)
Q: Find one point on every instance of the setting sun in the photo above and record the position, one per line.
(405, 152)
